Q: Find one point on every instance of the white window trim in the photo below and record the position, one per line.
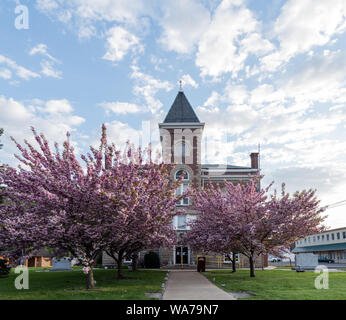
(181, 191)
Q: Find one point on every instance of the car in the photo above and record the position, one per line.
(275, 260)
(326, 260)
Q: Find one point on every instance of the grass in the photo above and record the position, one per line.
(280, 285)
(70, 285)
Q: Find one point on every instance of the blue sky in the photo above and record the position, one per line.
(255, 71)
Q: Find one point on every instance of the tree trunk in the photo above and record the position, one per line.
(252, 267)
(119, 264)
(262, 260)
(233, 262)
(134, 262)
(90, 279)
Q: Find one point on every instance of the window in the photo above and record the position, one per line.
(181, 149)
(338, 235)
(318, 238)
(344, 235)
(327, 237)
(182, 222)
(332, 236)
(322, 237)
(305, 240)
(181, 189)
(228, 257)
(180, 173)
(314, 239)
(309, 239)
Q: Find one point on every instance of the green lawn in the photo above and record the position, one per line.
(70, 285)
(280, 284)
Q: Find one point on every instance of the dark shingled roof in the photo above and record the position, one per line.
(181, 111)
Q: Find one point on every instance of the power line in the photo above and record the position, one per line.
(336, 204)
(339, 202)
(340, 205)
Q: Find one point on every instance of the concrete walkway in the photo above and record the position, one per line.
(191, 285)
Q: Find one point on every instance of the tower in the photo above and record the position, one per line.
(181, 135)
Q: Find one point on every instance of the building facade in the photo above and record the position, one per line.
(181, 139)
(330, 244)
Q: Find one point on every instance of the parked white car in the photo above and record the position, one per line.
(275, 260)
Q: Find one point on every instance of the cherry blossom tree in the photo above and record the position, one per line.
(148, 205)
(53, 201)
(245, 218)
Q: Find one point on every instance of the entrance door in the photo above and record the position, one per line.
(31, 262)
(181, 255)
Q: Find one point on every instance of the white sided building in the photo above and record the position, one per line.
(330, 244)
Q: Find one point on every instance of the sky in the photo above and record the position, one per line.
(268, 72)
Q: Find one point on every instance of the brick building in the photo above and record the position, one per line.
(181, 136)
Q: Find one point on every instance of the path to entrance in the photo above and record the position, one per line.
(191, 285)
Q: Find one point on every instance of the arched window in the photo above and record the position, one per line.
(180, 173)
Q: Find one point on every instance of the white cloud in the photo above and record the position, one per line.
(86, 31)
(119, 43)
(20, 71)
(49, 71)
(211, 104)
(43, 50)
(158, 63)
(188, 80)
(230, 38)
(46, 5)
(321, 79)
(54, 118)
(119, 133)
(13, 111)
(183, 23)
(47, 66)
(266, 93)
(122, 107)
(57, 106)
(5, 74)
(329, 182)
(303, 25)
(146, 87)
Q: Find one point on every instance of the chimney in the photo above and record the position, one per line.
(254, 160)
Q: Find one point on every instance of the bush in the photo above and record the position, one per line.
(4, 268)
(152, 260)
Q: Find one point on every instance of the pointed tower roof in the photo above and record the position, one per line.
(181, 111)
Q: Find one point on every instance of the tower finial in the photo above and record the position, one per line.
(180, 86)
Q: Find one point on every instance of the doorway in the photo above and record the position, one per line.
(181, 255)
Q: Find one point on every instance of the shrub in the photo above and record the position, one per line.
(151, 260)
(4, 267)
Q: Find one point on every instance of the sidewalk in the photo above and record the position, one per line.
(191, 285)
